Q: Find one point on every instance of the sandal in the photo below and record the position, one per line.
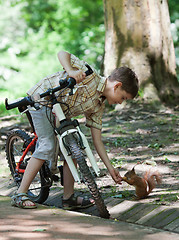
(19, 199)
(71, 203)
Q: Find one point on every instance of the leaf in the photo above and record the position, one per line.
(117, 196)
(167, 160)
(39, 230)
(150, 162)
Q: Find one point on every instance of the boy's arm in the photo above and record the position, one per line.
(65, 60)
(96, 135)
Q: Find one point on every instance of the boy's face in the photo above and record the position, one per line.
(117, 94)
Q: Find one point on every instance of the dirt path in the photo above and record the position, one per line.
(138, 132)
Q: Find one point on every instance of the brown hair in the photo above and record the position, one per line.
(128, 79)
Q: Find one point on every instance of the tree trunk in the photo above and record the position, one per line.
(138, 36)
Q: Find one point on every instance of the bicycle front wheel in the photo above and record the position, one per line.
(78, 155)
(16, 143)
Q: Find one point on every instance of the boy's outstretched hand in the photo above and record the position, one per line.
(116, 175)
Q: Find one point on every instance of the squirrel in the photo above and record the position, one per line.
(143, 185)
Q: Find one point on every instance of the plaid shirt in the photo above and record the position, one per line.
(87, 98)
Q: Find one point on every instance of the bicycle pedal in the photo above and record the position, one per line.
(17, 179)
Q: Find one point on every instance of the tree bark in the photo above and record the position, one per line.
(138, 36)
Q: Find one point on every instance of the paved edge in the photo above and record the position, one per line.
(54, 223)
(144, 214)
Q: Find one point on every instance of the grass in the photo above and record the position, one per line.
(155, 146)
(166, 199)
(117, 162)
(121, 142)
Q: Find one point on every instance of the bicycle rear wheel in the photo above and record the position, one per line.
(16, 143)
(78, 155)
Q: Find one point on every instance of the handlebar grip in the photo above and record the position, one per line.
(71, 82)
(23, 102)
(89, 71)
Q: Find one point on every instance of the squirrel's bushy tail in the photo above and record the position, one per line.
(152, 178)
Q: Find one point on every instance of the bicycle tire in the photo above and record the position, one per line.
(88, 178)
(16, 142)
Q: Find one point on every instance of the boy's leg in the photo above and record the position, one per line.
(68, 182)
(44, 148)
(32, 168)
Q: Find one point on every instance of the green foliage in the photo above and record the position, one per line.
(33, 31)
(117, 162)
(173, 10)
(36, 30)
(121, 142)
(75, 25)
(155, 146)
(174, 17)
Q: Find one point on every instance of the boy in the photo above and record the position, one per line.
(89, 97)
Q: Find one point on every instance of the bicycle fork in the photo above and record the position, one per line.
(84, 145)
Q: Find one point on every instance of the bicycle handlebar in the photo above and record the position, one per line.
(66, 83)
(23, 102)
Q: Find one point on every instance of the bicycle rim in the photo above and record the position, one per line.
(16, 143)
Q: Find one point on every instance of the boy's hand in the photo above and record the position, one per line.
(116, 176)
(78, 75)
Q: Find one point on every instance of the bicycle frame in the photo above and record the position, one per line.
(31, 144)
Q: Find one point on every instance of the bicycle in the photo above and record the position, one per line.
(73, 144)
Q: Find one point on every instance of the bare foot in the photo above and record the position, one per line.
(80, 200)
(28, 203)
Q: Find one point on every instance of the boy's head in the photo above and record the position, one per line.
(121, 85)
(128, 79)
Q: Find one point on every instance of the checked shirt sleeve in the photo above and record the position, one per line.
(95, 119)
(76, 62)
